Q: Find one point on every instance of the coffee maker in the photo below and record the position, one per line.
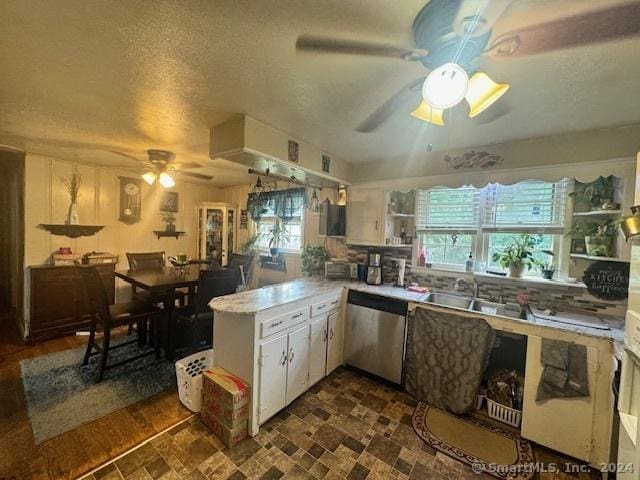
(374, 267)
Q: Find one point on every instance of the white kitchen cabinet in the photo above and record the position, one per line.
(334, 340)
(318, 349)
(365, 216)
(273, 377)
(562, 424)
(298, 367)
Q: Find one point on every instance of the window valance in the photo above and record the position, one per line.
(284, 204)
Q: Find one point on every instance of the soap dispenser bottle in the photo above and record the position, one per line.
(469, 263)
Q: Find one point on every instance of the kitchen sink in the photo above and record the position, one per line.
(446, 300)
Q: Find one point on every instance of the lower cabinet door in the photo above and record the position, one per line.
(298, 358)
(273, 377)
(334, 345)
(318, 350)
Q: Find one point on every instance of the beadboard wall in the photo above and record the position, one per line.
(560, 297)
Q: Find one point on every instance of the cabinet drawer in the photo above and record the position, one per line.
(325, 306)
(278, 324)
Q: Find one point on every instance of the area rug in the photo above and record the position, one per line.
(62, 395)
(488, 449)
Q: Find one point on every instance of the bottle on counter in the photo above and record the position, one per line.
(422, 259)
(470, 263)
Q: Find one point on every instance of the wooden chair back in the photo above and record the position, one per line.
(95, 290)
(146, 260)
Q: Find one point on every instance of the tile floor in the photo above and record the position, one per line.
(347, 426)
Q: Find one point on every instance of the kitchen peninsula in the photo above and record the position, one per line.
(292, 334)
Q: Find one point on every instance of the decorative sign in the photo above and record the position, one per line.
(608, 280)
(293, 151)
(130, 200)
(244, 219)
(473, 159)
(326, 163)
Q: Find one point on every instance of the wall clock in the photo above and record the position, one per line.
(130, 200)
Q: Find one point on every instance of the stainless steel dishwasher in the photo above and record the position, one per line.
(375, 335)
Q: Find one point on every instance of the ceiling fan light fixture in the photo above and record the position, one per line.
(149, 177)
(429, 114)
(445, 86)
(165, 180)
(483, 92)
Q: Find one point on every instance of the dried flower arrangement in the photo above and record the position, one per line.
(73, 184)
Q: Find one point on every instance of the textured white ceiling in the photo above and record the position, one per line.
(83, 77)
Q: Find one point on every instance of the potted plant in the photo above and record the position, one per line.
(279, 235)
(547, 269)
(312, 260)
(169, 219)
(599, 238)
(252, 245)
(598, 194)
(517, 255)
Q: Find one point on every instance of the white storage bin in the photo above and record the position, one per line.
(504, 414)
(189, 373)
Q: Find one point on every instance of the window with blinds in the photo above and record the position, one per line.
(454, 210)
(529, 206)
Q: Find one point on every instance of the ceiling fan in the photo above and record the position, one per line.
(161, 166)
(451, 35)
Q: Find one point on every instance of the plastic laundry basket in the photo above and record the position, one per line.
(189, 373)
(504, 414)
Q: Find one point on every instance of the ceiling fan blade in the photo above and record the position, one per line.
(476, 17)
(396, 102)
(126, 155)
(185, 165)
(195, 175)
(312, 43)
(593, 27)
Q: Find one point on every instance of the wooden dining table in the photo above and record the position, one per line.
(164, 281)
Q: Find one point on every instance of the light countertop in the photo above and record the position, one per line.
(254, 301)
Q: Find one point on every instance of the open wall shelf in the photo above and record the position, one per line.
(71, 231)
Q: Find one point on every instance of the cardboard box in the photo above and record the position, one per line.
(225, 397)
(230, 437)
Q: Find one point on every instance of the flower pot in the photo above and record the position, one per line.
(599, 245)
(170, 227)
(274, 251)
(547, 274)
(73, 214)
(515, 271)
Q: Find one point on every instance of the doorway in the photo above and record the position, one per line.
(11, 234)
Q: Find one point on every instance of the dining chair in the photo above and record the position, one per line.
(198, 316)
(150, 261)
(107, 317)
(246, 262)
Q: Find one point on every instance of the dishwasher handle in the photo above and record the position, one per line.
(377, 302)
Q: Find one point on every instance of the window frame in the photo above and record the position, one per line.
(270, 220)
(481, 236)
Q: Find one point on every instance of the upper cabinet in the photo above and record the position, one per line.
(365, 216)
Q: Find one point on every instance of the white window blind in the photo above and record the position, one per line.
(448, 210)
(529, 206)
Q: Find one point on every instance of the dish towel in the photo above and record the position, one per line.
(565, 373)
(446, 357)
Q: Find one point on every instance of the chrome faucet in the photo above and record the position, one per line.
(463, 283)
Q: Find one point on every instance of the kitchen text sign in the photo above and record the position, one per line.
(608, 280)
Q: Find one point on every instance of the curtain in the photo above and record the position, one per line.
(284, 204)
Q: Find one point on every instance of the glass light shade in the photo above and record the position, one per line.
(445, 86)
(429, 114)
(149, 177)
(314, 204)
(165, 180)
(483, 92)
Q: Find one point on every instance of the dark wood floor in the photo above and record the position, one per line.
(78, 451)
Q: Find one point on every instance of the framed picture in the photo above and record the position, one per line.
(130, 200)
(326, 163)
(293, 150)
(169, 202)
(578, 245)
(244, 219)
